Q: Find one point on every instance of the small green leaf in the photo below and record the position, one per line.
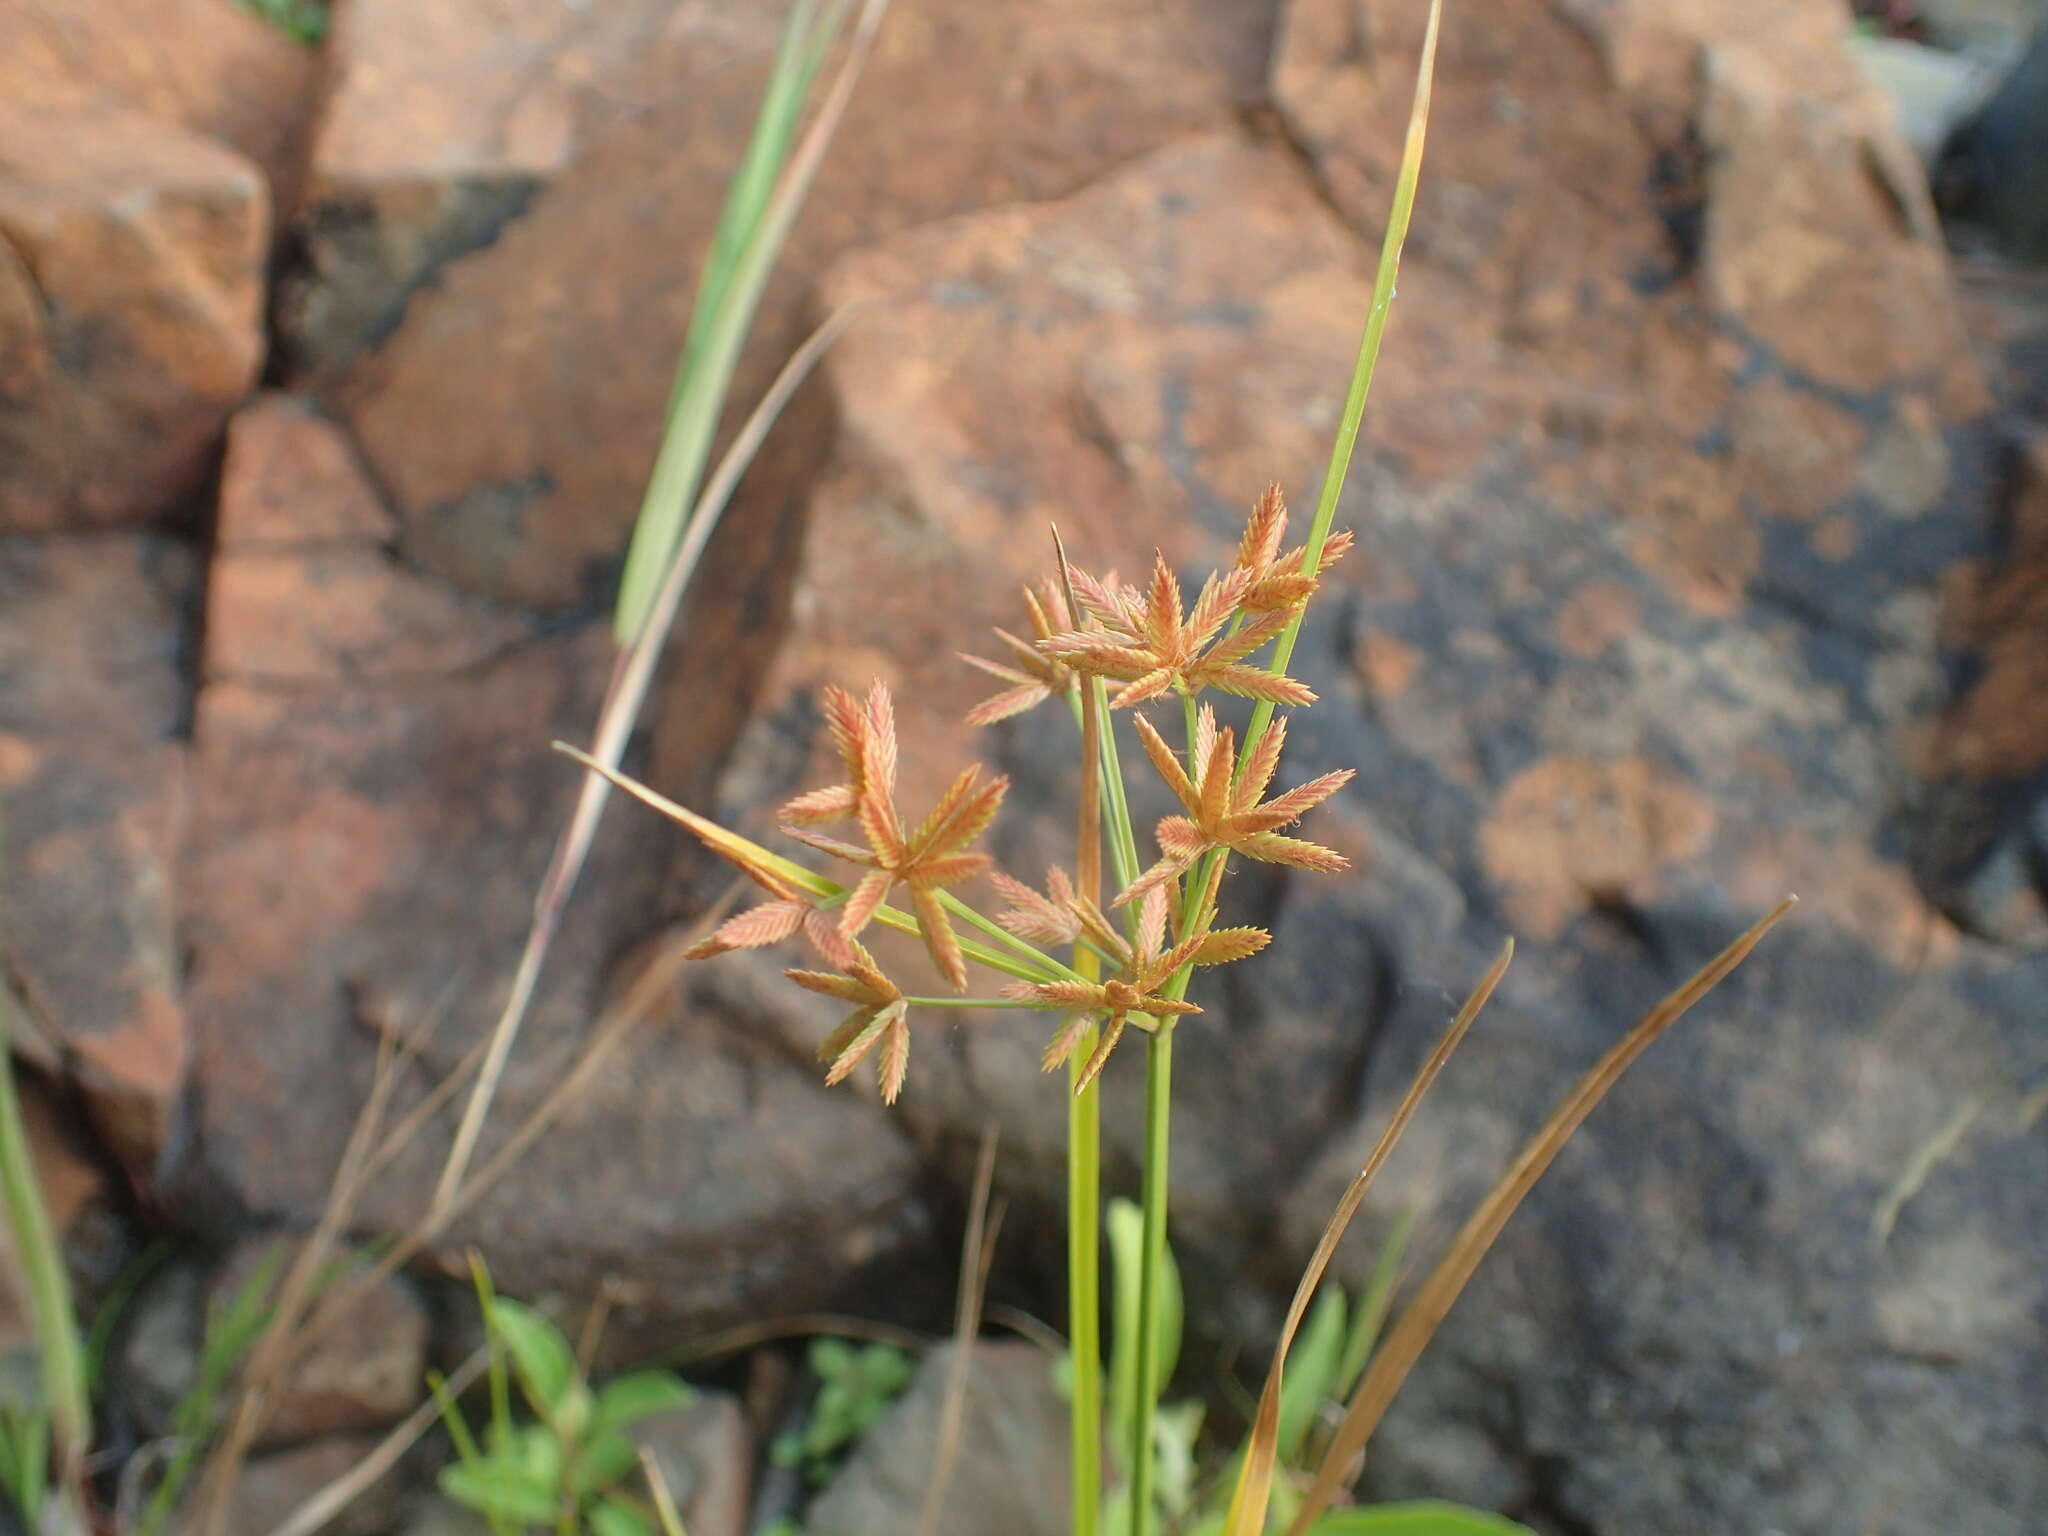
(1424, 1517)
(494, 1488)
(603, 1460)
(538, 1454)
(540, 1354)
(628, 1399)
(1126, 1232)
(831, 1358)
(1311, 1372)
(611, 1518)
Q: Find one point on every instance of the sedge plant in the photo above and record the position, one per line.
(1110, 953)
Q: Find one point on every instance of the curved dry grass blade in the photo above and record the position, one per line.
(1419, 1321)
(977, 1248)
(613, 1027)
(271, 1355)
(665, 1510)
(632, 675)
(1255, 1483)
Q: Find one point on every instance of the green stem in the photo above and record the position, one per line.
(1151, 1263)
(1084, 1283)
(1030, 952)
(1123, 842)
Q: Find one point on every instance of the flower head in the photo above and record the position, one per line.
(1143, 970)
(1047, 919)
(1276, 582)
(1151, 643)
(1225, 809)
(928, 858)
(1036, 677)
(880, 1017)
(772, 922)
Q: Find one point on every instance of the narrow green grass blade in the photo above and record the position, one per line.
(61, 1356)
(1368, 358)
(742, 250)
(1373, 1303)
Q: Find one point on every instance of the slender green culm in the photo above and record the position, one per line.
(1084, 1279)
(1151, 1266)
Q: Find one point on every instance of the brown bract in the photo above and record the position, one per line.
(1036, 677)
(1279, 583)
(1043, 919)
(927, 859)
(774, 921)
(1226, 815)
(880, 1017)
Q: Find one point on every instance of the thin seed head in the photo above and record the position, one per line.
(1263, 531)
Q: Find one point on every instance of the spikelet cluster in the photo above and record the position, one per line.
(1142, 644)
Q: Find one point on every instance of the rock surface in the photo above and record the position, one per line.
(1009, 1466)
(212, 67)
(514, 412)
(1982, 848)
(140, 168)
(363, 1376)
(706, 1455)
(374, 801)
(131, 300)
(93, 783)
(271, 1489)
(1674, 595)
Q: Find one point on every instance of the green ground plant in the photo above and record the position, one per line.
(856, 1385)
(569, 1466)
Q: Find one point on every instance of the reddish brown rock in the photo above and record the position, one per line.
(514, 414)
(92, 789)
(1650, 193)
(364, 858)
(366, 1374)
(270, 1489)
(303, 589)
(1566, 831)
(339, 614)
(1983, 842)
(131, 310)
(291, 478)
(212, 67)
